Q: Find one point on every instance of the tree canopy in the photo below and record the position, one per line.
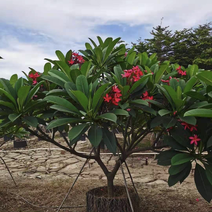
(186, 46)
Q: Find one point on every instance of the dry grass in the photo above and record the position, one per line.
(49, 193)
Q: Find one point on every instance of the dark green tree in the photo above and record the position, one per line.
(186, 46)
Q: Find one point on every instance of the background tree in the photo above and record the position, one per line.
(186, 46)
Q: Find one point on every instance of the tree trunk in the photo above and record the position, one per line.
(110, 185)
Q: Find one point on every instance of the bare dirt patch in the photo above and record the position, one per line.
(50, 193)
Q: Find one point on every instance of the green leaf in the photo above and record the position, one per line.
(88, 46)
(209, 142)
(18, 84)
(74, 74)
(208, 171)
(159, 73)
(13, 79)
(10, 97)
(164, 158)
(64, 68)
(59, 75)
(110, 48)
(62, 102)
(33, 91)
(190, 83)
(120, 112)
(100, 40)
(76, 131)
(178, 102)
(98, 97)
(93, 42)
(203, 185)
(68, 55)
(181, 158)
(178, 168)
(109, 116)
(205, 76)
(47, 68)
(196, 95)
(14, 116)
(199, 113)
(62, 109)
(82, 84)
(8, 87)
(140, 102)
(22, 94)
(85, 68)
(169, 122)
(7, 104)
(190, 120)
(181, 176)
(131, 58)
(82, 99)
(60, 55)
(95, 135)
(53, 80)
(174, 83)
(156, 122)
(193, 69)
(163, 112)
(31, 121)
(109, 140)
(168, 140)
(62, 121)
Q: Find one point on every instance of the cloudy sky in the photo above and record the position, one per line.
(32, 30)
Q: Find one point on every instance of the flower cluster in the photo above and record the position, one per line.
(180, 71)
(133, 74)
(194, 139)
(166, 81)
(145, 96)
(34, 77)
(76, 59)
(114, 96)
(189, 126)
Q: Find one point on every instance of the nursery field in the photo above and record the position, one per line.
(44, 177)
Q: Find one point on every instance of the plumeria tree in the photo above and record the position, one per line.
(105, 92)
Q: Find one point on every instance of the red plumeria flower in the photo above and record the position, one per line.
(175, 112)
(170, 128)
(31, 75)
(182, 73)
(127, 73)
(34, 77)
(189, 126)
(125, 54)
(186, 125)
(128, 109)
(116, 89)
(107, 98)
(71, 62)
(167, 81)
(145, 94)
(194, 139)
(179, 68)
(76, 59)
(135, 78)
(34, 82)
(115, 101)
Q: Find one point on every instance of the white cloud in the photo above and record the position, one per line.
(68, 23)
(19, 56)
(70, 19)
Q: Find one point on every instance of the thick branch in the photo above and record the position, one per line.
(48, 139)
